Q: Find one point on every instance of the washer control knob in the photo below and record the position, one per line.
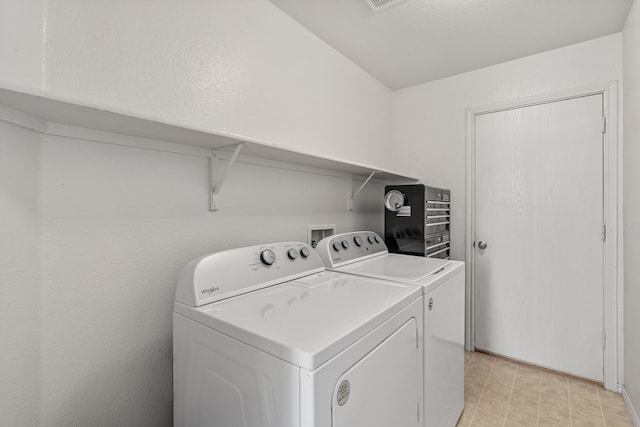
(345, 244)
(370, 239)
(377, 239)
(268, 257)
(292, 253)
(336, 246)
(305, 252)
(358, 241)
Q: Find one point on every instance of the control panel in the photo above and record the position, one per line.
(345, 248)
(233, 272)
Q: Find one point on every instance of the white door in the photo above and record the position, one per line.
(539, 209)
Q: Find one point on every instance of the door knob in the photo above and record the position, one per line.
(482, 244)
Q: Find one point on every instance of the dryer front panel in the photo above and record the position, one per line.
(382, 389)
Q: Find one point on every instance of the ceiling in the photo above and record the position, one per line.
(416, 41)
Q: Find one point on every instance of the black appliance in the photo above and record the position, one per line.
(417, 220)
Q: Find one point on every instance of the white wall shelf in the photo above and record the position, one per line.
(52, 109)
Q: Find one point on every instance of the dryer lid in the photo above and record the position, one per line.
(310, 320)
(404, 268)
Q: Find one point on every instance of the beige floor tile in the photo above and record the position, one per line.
(523, 404)
(555, 401)
(500, 393)
(580, 420)
(471, 399)
(520, 418)
(582, 388)
(553, 414)
(554, 390)
(610, 412)
(527, 390)
(504, 366)
(486, 419)
(494, 402)
(615, 421)
(499, 381)
(548, 378)
(588, 410)
(467, 413)
(474, 387)
(613, 405)
(543, 422)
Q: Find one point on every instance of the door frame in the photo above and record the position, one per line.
(612, 260)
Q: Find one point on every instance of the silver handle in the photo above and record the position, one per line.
(432, 254)
(436, 245)
(432, 224)
(482, 244)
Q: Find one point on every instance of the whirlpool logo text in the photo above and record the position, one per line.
(210, 290)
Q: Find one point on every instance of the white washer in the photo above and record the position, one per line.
(264, 336)
(365, 254)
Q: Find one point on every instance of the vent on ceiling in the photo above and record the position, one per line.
(378, 5)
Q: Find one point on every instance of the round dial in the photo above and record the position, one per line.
(394, 200)
(268, 257)
(305, 252)
(377, 239)
(370, 239)
(292, 253)
(358, 241)
(345, 244)
(336, 246)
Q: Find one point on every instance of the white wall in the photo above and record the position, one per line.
(21, 41)
(20, 303)
(239, 66)
(429, 129)
(92, 240)
(631, 59)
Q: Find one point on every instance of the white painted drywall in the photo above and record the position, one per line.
(20, 302)
(92, 239)
(21, 41)
(631, 60)
(239, 66)
(429, 129)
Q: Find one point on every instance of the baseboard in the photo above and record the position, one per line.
(632, 410)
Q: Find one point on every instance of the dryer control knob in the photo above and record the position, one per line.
(305, 252)
(358, 241)
(377, 239)
(292, 253)
(345, 244)
(370, 239)
(336, 246)
(268, 257)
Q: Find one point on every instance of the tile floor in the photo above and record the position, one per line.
(501, 393)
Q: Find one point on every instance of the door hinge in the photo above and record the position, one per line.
(604, 232)
(604, 339)
(604, 125)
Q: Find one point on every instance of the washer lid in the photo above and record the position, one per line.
(307, 321)
(403, 268)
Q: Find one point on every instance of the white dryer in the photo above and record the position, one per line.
(264, 336)
(365, 254)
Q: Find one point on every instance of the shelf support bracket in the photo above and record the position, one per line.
(350, 194)
(216, 183)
